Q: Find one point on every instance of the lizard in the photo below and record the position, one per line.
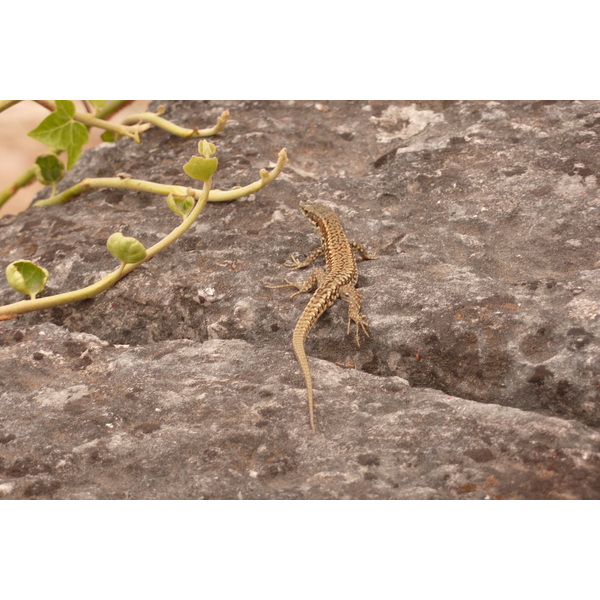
(338, 280)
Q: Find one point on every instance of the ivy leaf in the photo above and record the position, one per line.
(110, 136)
(201, 168)
(206, 149)
(126, 249)
(59, 129)
(49, 169)
(180, 206)
(26, 277)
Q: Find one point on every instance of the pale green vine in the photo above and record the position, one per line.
(140, 185)
(65, 129)
(191, 202)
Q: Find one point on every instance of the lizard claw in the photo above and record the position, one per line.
(287, 283)
(295, 264)
(359, 320)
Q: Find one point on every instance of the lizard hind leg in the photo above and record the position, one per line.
(358, 320)
(364, 254)
(351, 295)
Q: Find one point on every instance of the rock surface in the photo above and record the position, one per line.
(179, 382)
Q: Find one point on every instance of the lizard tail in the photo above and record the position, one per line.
(298, 346)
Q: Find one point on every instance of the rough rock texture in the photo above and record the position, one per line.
(180, 383)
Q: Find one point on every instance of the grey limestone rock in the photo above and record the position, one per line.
(481, 378)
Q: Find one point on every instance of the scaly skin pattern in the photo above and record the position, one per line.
(337, 281)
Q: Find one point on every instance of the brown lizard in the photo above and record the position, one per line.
(337, 281)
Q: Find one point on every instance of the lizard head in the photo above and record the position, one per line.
(315, 212)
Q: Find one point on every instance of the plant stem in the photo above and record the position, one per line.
(109, 109)
(4, 104)
(47, 104)
(138, 127)
(176, 129)
(21, 181)
(28, 176)
(132, 131)
(265, 178)
(10, 311)
(141, 185)
(96, 121)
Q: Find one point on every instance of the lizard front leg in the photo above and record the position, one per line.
(309, 260)
(313, 280)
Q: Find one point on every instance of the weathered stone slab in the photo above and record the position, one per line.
(180, 419)
(486, 220)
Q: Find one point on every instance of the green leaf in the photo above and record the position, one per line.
(26, 277)
(97, 103)
(126, 249)
(206, 149)
(180, 206)
(201, 168)
(60, 130)
(110, 136)
(49, 169)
